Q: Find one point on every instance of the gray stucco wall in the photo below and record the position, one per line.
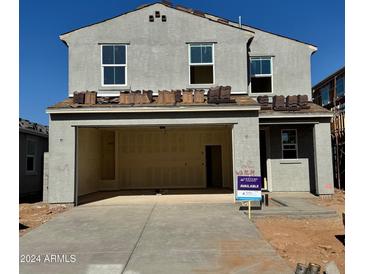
(157, 53)
(314, 145)
(305, 151)
(61, 162)
(62, 166)
(323, 157)
(288, 175)
(290, 62)
(31, 182)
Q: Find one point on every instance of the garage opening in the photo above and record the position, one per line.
(119, 161)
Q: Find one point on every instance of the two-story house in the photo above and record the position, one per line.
(106, 145)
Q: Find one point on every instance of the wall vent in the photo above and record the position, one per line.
(163, 18)
(157, 14)
(151, 18)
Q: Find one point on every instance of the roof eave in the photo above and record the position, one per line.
(295, 115)
(51, 110)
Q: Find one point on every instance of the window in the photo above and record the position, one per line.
(325, 94)
(340, 86)
(289, 143)
(201, 63)
(114, 65)
(30, 155)
(261, 74)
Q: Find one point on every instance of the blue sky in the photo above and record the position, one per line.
(43, 57)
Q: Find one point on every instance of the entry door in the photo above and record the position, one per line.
(263, 153)
(108, 155)
(213, 161)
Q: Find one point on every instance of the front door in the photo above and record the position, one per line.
(213, 161)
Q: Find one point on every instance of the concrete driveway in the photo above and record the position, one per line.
(151, 237)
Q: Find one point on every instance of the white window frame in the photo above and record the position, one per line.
(114, 65)
(262, 75)
(282, 144)
(33, 171)
(201, 64)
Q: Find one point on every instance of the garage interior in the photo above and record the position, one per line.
(153, 160)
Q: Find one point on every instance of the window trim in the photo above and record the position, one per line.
(262, 75)
(201, 64)
(296, 143)
(33, 171)
(114, 65)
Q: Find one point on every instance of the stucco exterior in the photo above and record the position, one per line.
(158, 59)
(291, 63)
(158, 53)
(31, 182)
(63, 130)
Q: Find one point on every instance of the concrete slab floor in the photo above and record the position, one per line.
(159, 237)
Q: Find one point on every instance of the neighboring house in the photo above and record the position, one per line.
(330, 93)
(33, 142)
(111, 146)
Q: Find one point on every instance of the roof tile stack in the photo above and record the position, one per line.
(279, 103)
(292, 103)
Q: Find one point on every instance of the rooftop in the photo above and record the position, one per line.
(240, 102)
(313, 109)
(32, 128)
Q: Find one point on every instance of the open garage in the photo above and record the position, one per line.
(158, 158)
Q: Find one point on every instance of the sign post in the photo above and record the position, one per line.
(248, 189)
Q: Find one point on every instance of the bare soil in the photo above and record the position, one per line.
(32, 215)
(309, 240)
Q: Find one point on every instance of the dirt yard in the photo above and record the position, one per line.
(309, 240)
(34, 214)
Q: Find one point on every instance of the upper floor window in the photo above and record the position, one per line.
(340, 86)
(261, 74)
(114, 65)
(201, 63)
(289, 144)
(325, 95)
(30, 155)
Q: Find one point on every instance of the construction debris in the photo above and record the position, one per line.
(303, 101)
(220, 94)
(166, 97)
(187, 96)
(225, 94)
(280, 103)
(90, 97)
(199, 96)
(263, 100)
(79, 97)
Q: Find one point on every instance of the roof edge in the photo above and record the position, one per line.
(339, 71)
(102, 21)
(242, 26)
(62, 36)
(51, 110)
